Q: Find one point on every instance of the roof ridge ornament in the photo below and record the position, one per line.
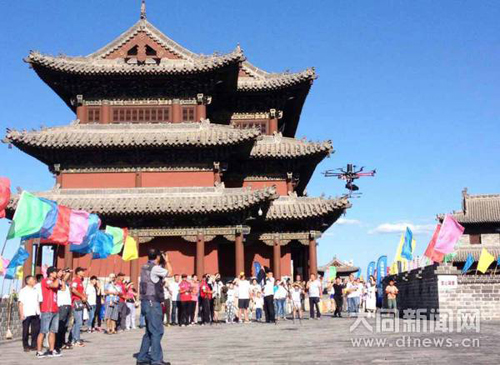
(143, 9)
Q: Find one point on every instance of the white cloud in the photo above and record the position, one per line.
(401, 227)
(345, 221)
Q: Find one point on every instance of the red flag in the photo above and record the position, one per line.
(430, 252)
(60, 234)
(4, 195)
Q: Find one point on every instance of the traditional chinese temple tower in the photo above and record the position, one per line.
(194, 154)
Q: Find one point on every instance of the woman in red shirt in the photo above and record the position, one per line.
(185, 294)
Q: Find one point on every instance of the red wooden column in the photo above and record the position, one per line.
(68, 257)
(28, 264)
(176, 111)
(38, 258)
(217, 173)
(239, 253)
(134, 267)
(289, 182)
(200, 255)
(81, 113)
(105, 112)
(313, 258)
(273, 121)
(277, 257)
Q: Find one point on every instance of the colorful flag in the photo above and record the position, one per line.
(49, 222)
(4, 195)
(406, 251)
(60, 233)
(485, 261)
(78, 225)
(449, 234)
(468, 263)
(29, 216)
(102, 245)
(449, 257)
(370, 270)
(332, 270)
(130, 251)
(430, 253)
(4, 263)
(86, 246)
(118, 240)
(20, 256)
(381, 268)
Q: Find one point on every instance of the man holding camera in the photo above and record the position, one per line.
(79, 301)
(152, 295)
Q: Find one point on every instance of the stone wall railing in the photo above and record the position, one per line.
(15, 323)
(442, 287)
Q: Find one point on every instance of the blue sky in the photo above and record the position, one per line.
(411, 88)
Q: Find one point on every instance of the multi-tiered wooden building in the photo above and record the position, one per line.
(194, 154)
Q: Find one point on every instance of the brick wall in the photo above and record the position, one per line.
(443, 287)
(15, 323)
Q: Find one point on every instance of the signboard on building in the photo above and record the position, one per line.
(447, 282)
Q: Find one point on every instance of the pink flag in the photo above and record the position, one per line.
(78, 225)
(4, 195)
(448, 236)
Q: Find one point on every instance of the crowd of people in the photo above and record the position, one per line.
(57, 307)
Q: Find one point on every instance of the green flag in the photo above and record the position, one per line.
(117, 234)
(29, 216)
(449, 257)
(333, 272)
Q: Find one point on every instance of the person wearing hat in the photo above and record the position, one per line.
(78, 302)
(49, 318)
(152, 295)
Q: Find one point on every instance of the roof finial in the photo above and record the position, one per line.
(143, 9)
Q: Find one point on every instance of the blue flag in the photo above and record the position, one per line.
(406, 251)
(102, 245)
(498, 261)
(381, 268)
(370, 270)
(18, 260)
(89, 239)
(468, 263)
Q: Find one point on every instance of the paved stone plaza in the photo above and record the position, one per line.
(326, 341)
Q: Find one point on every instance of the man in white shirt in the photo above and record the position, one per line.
(269, 298)
(64, 304)
(315, 288)
(243, 297)
(174, 289)
(29, 312)
(353, 293)
(91, 293)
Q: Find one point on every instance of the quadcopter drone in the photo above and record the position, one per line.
(349, 174)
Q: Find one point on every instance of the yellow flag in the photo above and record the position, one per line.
(404, 262)
(485, 260)
(130, 250)
(19, 273)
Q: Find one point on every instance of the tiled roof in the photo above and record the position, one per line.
(132, 135)
(261, 80)
(342, 267)
(464, 251)
(479, 209)
(140, 201)
(97, 63)
(97, 66)
(293, 207)
(285, 147)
